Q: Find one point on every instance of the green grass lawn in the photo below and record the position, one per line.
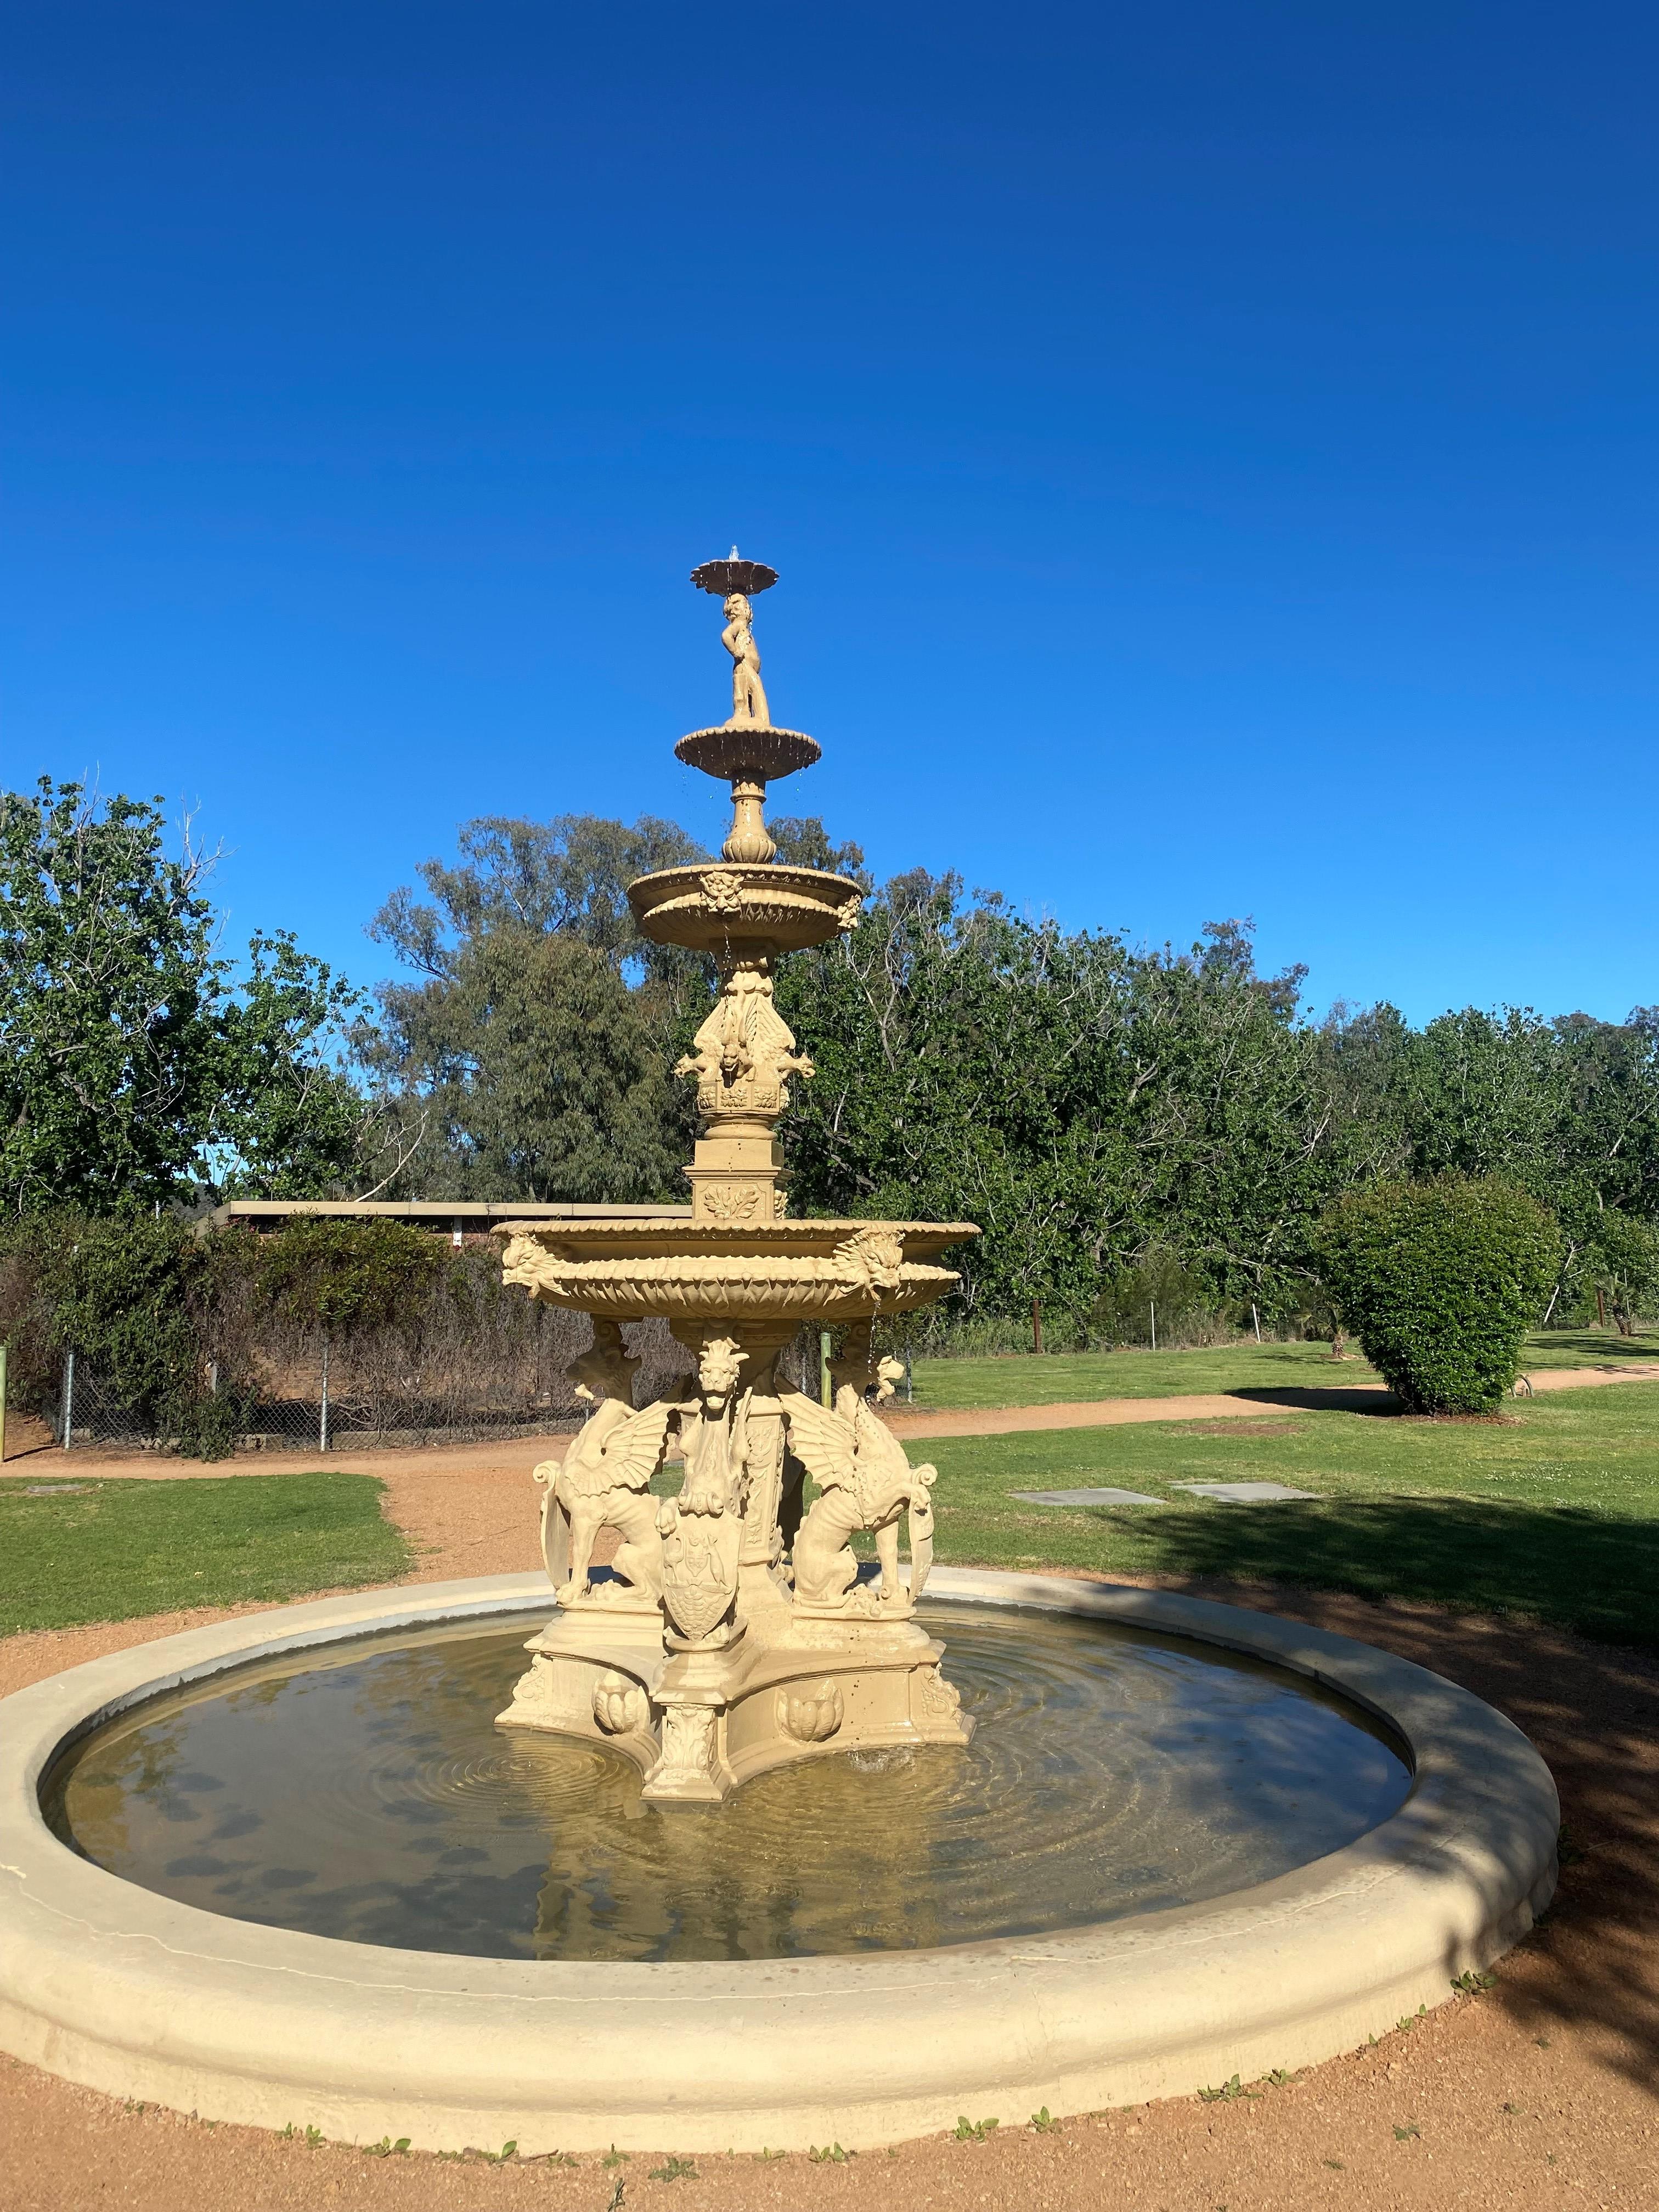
(1552, 1511)
(1058, 1377)
(119, 1549)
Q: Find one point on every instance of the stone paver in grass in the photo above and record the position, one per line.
(1091, 1497)
(1243, 1493)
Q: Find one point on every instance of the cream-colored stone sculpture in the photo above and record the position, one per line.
(748, 698)
(733, 1628)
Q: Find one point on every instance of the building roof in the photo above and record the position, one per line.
(436, 1213)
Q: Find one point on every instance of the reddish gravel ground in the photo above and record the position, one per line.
(1543, 2092)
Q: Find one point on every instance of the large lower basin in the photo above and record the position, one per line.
(995, 1952)
(366, 1793)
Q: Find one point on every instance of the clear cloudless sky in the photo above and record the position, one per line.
(1209, 449)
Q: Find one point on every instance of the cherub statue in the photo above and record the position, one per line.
(603, 1480)
(748, 698)
(865, 1482)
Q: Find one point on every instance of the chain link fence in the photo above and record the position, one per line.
(476, 1385)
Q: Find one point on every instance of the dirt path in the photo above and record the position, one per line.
(1202, 1406)
(505, 1464)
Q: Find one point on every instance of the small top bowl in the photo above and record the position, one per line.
(748, 752)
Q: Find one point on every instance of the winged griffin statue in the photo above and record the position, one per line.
(603, 1481)
(865, 1481)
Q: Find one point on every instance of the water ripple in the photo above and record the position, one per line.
(368, 1796)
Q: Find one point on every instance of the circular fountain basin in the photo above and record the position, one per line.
(286, 1869)
(365, 1793)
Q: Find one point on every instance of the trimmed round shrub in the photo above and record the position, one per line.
(1440, 1282)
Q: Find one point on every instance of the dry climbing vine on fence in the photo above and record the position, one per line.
(201, 1342)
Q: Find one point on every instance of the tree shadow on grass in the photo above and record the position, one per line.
(1593, 1573)
(1591, 1708)
(1601, 1344)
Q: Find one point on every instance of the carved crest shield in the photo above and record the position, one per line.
(700, 1570)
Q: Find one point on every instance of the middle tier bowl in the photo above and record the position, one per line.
(824, 1270)
(722, 902)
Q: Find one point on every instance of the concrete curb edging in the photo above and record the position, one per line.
(129, 1993)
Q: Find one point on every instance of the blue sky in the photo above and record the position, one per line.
(1210, 451)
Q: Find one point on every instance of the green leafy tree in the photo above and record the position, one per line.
(133, 1297)
(343, 1275)
(1440, 1281)
(568, 877)
(1623, 1263)
(135, 1069)
(530, 1069)
(533, 1057)
(1085, 1105)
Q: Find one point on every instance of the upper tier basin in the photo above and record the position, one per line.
(830, 1271)
(722, 902)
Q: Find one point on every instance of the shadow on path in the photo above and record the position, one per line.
(1356, 1398)
(1593, 1711)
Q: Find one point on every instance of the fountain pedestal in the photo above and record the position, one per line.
(736, 1630)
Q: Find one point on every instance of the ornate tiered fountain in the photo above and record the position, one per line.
(733, 1630)
(286, 1867)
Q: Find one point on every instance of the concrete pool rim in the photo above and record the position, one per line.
(122, 1990)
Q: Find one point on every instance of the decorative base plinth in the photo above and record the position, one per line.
(697, 1724)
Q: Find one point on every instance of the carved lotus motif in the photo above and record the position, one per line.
(620, 1705)
(811, 1715)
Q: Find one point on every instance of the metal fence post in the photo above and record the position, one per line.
(1152, 1308)
(69, 1397)
(826, 1393)
(4, 1348)
(322, 1426)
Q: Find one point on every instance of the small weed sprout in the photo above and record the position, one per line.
(386, 2148)
(675, 2169)
(1471, 1984)
(1407, 2133)
(1229, 2090)
(967, 2130)
(1044, 2123)
(830, 2155)
(615, 2157)
(314, 2135)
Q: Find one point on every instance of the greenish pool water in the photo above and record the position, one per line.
(364, 1792)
